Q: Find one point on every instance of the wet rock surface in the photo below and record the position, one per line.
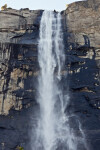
(81, 31)
(19, 34)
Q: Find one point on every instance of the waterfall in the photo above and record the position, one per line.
(53, 130)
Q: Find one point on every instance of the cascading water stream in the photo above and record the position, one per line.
(53, 131)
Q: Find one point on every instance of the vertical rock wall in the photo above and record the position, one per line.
(19, 33)
(82, 39)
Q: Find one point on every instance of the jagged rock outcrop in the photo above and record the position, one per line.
(19, 33)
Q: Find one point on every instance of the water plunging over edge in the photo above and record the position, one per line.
(53, 131)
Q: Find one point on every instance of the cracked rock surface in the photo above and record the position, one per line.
(19, 34)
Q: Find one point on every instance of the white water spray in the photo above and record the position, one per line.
(53, 131)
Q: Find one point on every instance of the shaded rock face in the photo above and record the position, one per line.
(19, 34)
(82, 45)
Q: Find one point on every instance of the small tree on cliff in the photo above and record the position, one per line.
(4, 7)
(66, 5)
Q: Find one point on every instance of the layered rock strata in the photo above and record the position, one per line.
(19, 34)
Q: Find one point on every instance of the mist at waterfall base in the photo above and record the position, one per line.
(53, 130)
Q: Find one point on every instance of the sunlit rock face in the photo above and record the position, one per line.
(18, 57)
(19, 33)
(82, 22)
(19, 69)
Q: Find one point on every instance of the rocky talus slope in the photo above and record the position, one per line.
(19, 34)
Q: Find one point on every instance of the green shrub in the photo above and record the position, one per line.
(4, 7)
(20, 148)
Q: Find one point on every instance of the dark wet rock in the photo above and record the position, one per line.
(82, 47)
(19, 34)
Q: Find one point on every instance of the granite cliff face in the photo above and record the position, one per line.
(19, 33)
(82, 38)
(18, 36)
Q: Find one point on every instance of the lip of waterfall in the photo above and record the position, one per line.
(53, 131)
